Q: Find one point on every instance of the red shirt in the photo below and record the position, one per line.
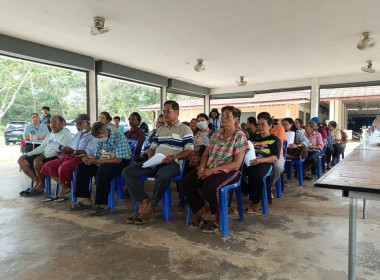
(322, 132)
(138, 135)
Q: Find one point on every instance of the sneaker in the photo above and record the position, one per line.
(211, 227)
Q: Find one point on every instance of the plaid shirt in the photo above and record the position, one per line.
(222, 152)
(117, 144)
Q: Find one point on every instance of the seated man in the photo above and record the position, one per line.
(60, 169)
(135, 132)
(32, 162)
(112, 154)
(175, 141)
(34, 131)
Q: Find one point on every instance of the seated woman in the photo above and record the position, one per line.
(135, 132)
(200, 143)
(193, 126)
(112, 154)
(334, 145)
(34, 131)
(219, 167)
(314, 149)
(298, 149)
(105, 117)
(118, 127)
(267, 149)
(60, 170)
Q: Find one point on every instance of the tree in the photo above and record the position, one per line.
(14, 76)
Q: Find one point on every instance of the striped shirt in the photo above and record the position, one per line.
(172, 140)
(223, 151)
(117, 144)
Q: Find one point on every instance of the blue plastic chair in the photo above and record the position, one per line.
(118, 181)
(299, 169)
(280, 181)
(48, 186)
(266, 196)
(167, 197)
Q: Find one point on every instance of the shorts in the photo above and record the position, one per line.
(30, 159)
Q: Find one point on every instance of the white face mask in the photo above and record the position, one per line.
(202, 125)
(83, 130)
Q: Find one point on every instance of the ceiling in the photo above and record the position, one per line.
(270, 42)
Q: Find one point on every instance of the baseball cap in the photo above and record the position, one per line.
(81, 117)
(316, 120)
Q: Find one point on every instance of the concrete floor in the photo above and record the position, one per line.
(305, 236)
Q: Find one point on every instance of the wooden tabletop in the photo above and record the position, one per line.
(359, 171)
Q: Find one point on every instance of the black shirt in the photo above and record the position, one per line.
(45, 119)
(266, 146)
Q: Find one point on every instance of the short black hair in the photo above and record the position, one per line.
(262, 114)
(266, 117)
(116, 118)
(235, 111)
(137, 115)
(34, 114)
(203, 115)
(173, 103)
(46, 107)
(333, 124)
(186, 123)
(252, 120)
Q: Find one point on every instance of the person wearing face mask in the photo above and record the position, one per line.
(200, 143)
(60, 170)
(112, 154)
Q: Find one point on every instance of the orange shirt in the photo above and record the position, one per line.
(279, 131)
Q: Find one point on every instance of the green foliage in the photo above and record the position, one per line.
(33, 86)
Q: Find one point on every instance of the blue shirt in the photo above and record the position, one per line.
(41, 130)
(85, 142)
(117, 143)
(121, 129)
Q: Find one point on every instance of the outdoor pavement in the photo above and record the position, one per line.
(304, 236)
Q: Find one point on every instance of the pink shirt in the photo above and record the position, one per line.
(315, 139)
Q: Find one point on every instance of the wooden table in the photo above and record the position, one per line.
(358, 176)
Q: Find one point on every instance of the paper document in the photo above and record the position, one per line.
(290, 137)
(250, 155)
(55, 145)
(154, 160)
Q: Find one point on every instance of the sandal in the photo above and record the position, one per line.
(233, 210)
(131, 219)
(23, 192)
(211, 227)
(48, 198)
(33, 192)
(60, 199)
(99, 210)
(251, 210)
(198, 224)
(80, 206)
(144, 218)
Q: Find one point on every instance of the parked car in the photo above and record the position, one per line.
(13, 130)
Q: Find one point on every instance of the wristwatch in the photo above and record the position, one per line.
(175, 159)
(75, 152)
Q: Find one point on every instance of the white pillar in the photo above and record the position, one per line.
(164, 97)
(92, 101)
(314, 98)
(332, 110)
(206, 104)
(338, 111)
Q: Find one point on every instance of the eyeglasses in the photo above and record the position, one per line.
(167, 112)
(225, 116)
(262, 124)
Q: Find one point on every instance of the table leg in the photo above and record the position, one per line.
(352, 240)
(364, 208)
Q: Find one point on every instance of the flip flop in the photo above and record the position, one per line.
(33, 192)
(250, 210)
(99, 211)
(25, 191)
(131, 219)
(79, 206)
(233, 210)
(144, 218)
(48, 198)
(60, 199)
